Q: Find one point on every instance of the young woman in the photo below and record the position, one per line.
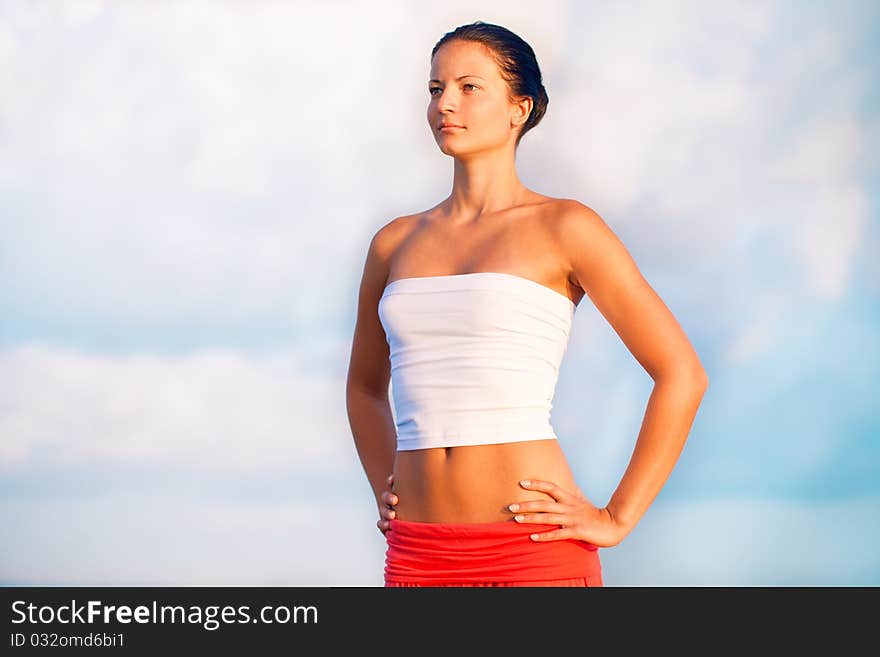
(466, 310)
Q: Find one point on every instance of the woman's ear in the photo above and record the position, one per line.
(522, 112)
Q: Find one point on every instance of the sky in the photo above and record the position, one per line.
(187, 193)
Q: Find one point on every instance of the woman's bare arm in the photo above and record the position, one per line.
(369, 410)
(603, 268)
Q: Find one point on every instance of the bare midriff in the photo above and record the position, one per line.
(475, 483)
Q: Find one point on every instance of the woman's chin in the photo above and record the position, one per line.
(448, 149)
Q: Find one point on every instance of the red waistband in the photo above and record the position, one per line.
(442, 553)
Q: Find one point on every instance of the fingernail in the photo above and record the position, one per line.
(514, 507)
(518, 518)
(525, 482)
(534, 537)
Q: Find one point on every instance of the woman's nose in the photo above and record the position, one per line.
(445, 101)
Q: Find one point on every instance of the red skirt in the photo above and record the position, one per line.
(486, 554)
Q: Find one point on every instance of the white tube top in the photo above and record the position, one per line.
(474, 357)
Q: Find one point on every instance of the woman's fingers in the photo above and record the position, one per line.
(541, 518)
(387, 496)
(554, 535)
(389, 499)
(384, 522)
(555, 491)
(537, 505)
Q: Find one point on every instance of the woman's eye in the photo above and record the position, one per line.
(431, 90)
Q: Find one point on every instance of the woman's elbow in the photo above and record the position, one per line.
(690, 377)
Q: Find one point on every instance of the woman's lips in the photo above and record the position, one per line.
(451, 128)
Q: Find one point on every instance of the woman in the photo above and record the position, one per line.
(465, 309)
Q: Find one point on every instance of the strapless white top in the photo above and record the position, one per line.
(474, 357)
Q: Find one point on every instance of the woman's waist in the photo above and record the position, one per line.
(475, 483)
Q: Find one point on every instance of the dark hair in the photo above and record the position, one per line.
(515, 59)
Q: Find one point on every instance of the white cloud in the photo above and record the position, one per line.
(832, 232)
(230, 160)
(203, 411)
(761, 332)
(162, 540)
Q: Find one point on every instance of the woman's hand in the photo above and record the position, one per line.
(576, 515)
(387, 500)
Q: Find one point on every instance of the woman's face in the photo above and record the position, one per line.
(466, 89)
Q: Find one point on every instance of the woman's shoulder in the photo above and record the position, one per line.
(567, 217)
(559, 211)
(575, 229)
(391, 234)
(563, 207)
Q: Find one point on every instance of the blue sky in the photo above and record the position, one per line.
(187, 192)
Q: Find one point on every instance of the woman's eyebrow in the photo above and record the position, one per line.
(460, 78)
